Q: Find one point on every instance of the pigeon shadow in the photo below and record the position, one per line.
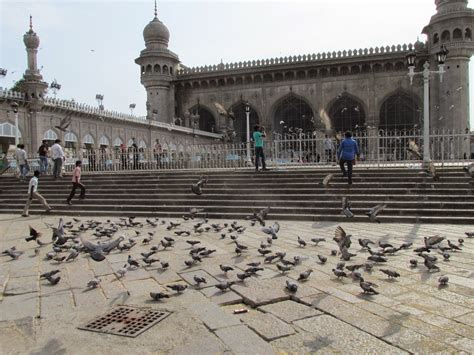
(425, 276)
(53, 346)
(395, 323)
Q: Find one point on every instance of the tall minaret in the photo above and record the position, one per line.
(451, 26)
(33, 84)
(158, 66)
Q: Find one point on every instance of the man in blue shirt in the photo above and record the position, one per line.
(258, 135)
(347, 152)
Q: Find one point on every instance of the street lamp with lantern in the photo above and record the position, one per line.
(441, 58)
(247, 113)
(100, 100)
(55, 86)
(132, 107)
(14, 105)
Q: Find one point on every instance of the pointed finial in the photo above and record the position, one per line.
(156, 11)
(31, 23)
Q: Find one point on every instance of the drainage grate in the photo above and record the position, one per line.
(126, 321)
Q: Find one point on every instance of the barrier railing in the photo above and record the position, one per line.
(377, 148)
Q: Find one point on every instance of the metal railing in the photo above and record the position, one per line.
(377, 148)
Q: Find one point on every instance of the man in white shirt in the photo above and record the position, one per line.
(33, 193)
(22, 161)
(57, 155)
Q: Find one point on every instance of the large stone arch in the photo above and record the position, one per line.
(207, 120)
(295, 111)
(400, 110)
(347, 112)
(240, 121)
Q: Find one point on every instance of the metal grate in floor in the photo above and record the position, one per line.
(126, 321)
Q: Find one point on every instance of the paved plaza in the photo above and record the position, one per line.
(411, 313)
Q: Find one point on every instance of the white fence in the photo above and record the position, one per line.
(377, 148)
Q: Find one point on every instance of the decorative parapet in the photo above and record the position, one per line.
(11, 95)
(171, 127)
(305, 58)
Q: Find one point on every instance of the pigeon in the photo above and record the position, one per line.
(340, 265)
(49, 274)
(121, 272)
(390, 250)
(339, 273)
(469, 170)
(97, 251)
(341, 238)
(322, 259)
(147, 255)
(431, 266)
(443, 281)
(283, 268)
(54, 280)
(453, 246)
(226, 268)
(367, 287)
(272, 230)
(270, 258)
(431, 258)
(291, 286)
(432, 171)
(422, 249)
(406, 245)
(390, 273)
(254, 264)
(73, 255)
(65, 123)
(189, 263)
(207, 252)
(368, 267)
(197, 187)
(432, 241)
(364, 243)
(469, 234)
(346, 208)
(327, 180)
(34, 235)
(199, 280)
(355, 267)
(461, 241)
(224, 286)
(13, 253)
(301, 242)
(253, 270)
(345, 254)
(164, 264)
(150, 261)
(194, 211)
(243, 276)
(264, 252)
(377, 259)
(94, 283)
(177, 287)
(356, 276)
(446, 256)
(316, 241)
(413, 263)
(181, 233)
(375, 211)
(304, 275)
(193, 242)
(132, 262)
(333, 252)
(158, 295)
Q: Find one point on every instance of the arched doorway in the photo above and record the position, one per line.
(240, 122)
(7, 136)
(50, 136)
(205, 121)
(347, 114)
(399, 111)
(291, 114)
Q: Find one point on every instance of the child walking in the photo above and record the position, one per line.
(33, 193)
(76, 182)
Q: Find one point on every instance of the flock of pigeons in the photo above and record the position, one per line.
(69, 242)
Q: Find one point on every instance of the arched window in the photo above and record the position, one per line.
(141, 144)
(157, 68)
(293, 113)
(240, 122)
(70, 140)
(445, 36)
(148, 68)
(104, 141)
(468, 34)
(399, 111)
(8, 130)
(88, 141)
(347, 113)
(206, 121)
(130, 142)
(171, 70)
(435, 38)
(50, 135)
(165, 69)
(117, 142)
(457, 33)
(142, 70)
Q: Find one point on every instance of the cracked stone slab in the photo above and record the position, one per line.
(267, 326)
(222, 298)
(345, 337)
(241, 339)
(260, 292)
(289, 311)
(21, 285)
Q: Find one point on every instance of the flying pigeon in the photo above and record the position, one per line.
(197, 187)
(346, 208)
(327, 180)
(34, 235)
(65, 123)
(272, 230)
(374, 212)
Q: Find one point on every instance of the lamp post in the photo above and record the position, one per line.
(441, 58)
(247, 113)
(100, 100)
(132, 107)
(55, 86)
(14, 106)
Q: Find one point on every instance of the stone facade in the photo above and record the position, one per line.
(357, 89)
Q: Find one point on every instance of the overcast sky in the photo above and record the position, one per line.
(90, 46)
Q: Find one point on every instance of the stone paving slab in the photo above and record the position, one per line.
(411, 314)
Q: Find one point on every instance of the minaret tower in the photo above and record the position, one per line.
(158, 66)
(451, 26)
(33, 84)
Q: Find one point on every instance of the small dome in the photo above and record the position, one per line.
(31, 40)
(156, 31)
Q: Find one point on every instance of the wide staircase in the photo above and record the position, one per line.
(294, 194)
